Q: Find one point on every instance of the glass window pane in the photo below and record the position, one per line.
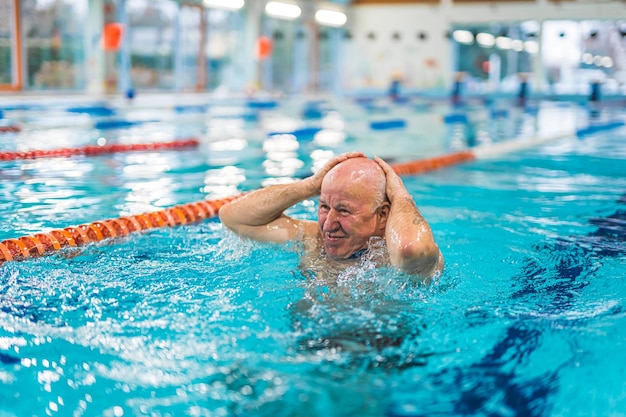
(225, 52)
(55, 43)
(6, 29)
(152, 36)
(282, 34)
(189, 48)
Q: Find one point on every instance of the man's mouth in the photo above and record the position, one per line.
(333, 237)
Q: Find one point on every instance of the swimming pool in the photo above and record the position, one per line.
(527, 319)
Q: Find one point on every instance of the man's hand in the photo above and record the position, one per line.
(395, 186)
(315, 181)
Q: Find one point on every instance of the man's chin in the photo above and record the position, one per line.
(334, 253)
(337, 254)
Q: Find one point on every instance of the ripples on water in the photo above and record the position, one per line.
(186, 317)
(194, 321)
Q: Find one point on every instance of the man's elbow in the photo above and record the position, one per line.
(417, 259)
(226, 216)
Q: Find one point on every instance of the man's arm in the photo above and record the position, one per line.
(259, 215)
(410, 241)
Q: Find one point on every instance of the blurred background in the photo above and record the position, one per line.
(343, 47)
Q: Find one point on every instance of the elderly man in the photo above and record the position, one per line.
(359, 199)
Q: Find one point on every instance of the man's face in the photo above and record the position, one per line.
(347, 218)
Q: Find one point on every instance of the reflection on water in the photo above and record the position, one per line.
(195, 321)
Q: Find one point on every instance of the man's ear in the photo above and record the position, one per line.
(383, 214)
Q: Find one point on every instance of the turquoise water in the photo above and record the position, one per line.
(527, 319)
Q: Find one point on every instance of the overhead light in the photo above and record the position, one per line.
(517, 45)
(283, 10)
(330, 17)
(224, 4)
(463, 36)
(485, 39)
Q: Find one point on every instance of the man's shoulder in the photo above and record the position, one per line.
(309, 230)
(309, 234)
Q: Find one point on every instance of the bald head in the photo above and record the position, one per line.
(361, 174)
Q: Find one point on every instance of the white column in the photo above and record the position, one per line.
(252, 30)
(94, 54)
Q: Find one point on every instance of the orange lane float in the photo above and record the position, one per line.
(424, 165)
(93, 150)
(42, 243)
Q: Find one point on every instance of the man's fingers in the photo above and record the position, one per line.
(384, 165)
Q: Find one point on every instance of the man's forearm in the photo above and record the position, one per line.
(410, 241)
(265, 205)
(409, 238)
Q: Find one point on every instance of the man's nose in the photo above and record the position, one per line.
(330, 223)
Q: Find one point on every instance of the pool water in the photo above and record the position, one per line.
(527, 319)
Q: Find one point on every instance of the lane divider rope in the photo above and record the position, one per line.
(488, 151)
(429, 164)
(42, 243)
(93, 150)
(73, 236)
